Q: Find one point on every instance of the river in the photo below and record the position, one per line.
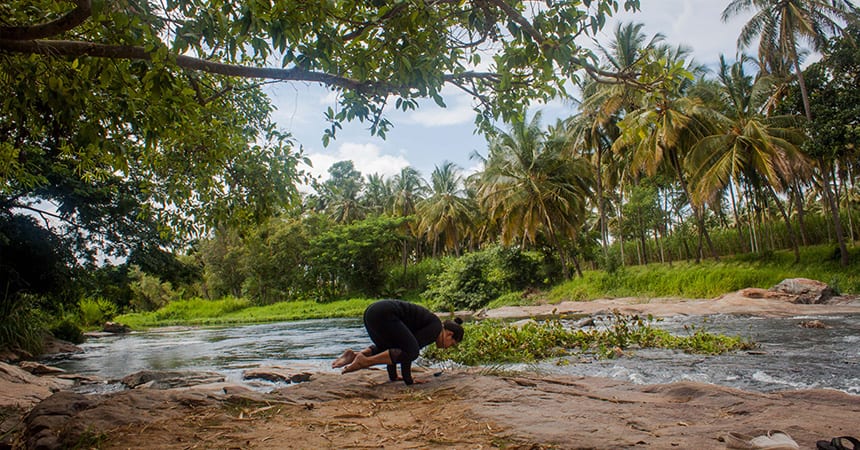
(789, 356)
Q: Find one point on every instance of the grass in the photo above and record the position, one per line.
(238, 311)
(711, 279)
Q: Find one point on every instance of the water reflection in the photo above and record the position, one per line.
(789, 356)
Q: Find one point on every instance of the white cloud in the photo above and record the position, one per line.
(458, 111)
(693, 23)
(367, 159)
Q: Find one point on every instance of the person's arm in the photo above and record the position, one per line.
(392, 371)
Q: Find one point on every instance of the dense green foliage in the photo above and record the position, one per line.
(473, 280)
(488, 341)
(136, 134)
(684, 280)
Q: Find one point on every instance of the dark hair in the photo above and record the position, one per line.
(456, 327)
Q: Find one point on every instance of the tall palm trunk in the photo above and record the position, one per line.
(791, 234)
(604, 232)
(700, 216)
(736, 214)
(797, 191)
(834, 212)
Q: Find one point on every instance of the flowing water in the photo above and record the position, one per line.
(788, 356)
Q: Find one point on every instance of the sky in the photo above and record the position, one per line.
(432, 135)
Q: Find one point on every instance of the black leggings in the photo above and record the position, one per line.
(388, 332)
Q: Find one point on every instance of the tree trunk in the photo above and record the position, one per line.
(792, 235)
(700, 218)
(621, 225)
(737, 215)
(604, 231)
(834, 212)
(797, 189)
(804, 95)
(642, 241)
(576, 265)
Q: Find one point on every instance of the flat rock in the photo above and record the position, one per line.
(276, 374)
(22, 389)
(40, 369)
(168, 379)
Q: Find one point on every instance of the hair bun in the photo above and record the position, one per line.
(458, 320)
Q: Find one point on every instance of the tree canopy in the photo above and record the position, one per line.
(142, 120)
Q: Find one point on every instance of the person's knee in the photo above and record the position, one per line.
(408, 355)
(399, 355)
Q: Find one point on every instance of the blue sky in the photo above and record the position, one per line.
(431, 135)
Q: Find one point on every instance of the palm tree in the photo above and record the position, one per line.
(530, 185)
(763, 151)
(603, 105)
(340, 194)
(447, 212)
(780, 25)
(408, 188)
(667, 123)
(378, 195)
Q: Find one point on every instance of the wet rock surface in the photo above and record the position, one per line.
(457, 409)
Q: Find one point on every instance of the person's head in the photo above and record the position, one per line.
(452, 333)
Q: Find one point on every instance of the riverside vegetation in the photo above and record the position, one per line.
(662, 161)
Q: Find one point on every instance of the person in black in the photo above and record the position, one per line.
(399, 330)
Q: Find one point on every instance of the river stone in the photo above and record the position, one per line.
(115, 327)
(39, 369)
(808, 292)
(276, 374)
(169, 379)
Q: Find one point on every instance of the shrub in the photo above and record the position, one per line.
(96, 311)
(475, 279)
(67, 330)
(148, 292)
(414, 280)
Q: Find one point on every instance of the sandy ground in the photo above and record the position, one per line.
(459, 409)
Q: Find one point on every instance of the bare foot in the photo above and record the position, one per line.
(347, 357)
(358, 363)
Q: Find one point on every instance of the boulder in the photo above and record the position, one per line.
(805, 291)
(115, 327)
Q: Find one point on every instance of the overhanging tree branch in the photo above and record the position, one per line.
(73, 18)
(77, 49)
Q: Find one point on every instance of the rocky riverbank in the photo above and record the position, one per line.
(465, 408)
